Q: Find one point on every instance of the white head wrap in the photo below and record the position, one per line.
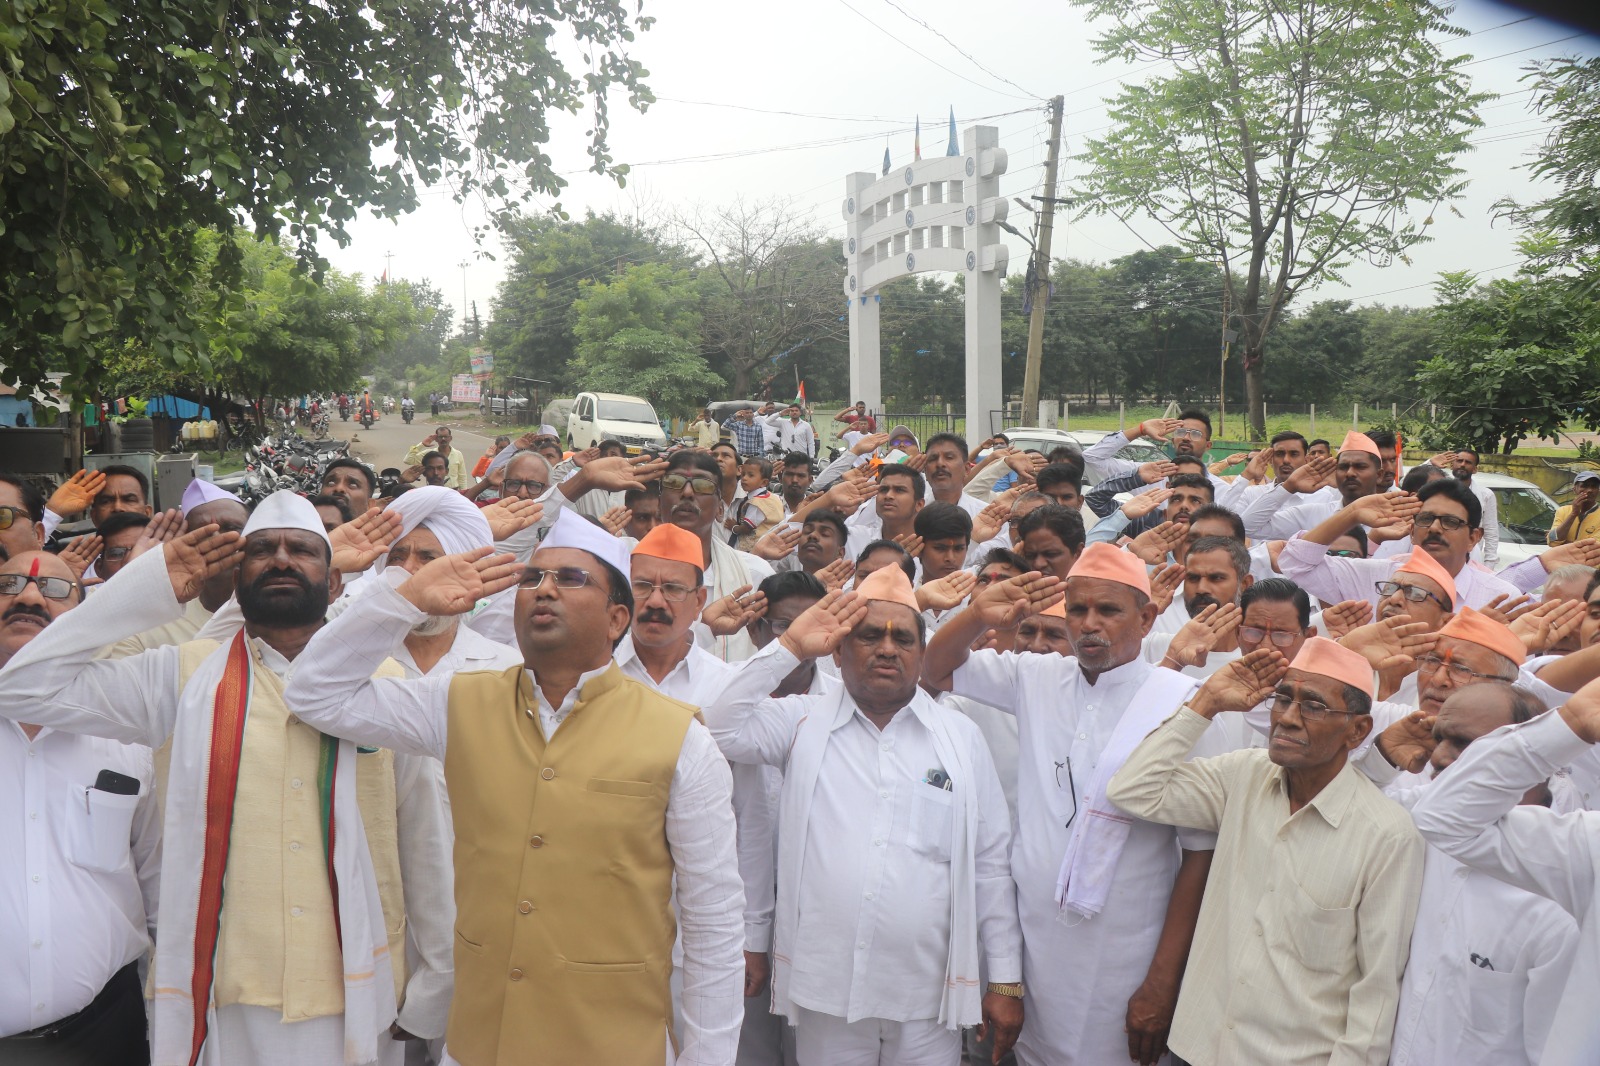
(572, 530)
(448, 515)
(286, 510)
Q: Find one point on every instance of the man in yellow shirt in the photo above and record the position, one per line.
(1580, 519)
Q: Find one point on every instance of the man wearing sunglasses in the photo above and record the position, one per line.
(80, 875)
(1443, 519)
(1306, 922)
(691, 499)
(322, 851)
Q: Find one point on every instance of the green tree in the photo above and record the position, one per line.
(124, 126)
(1517, 358)
(772, 287)
(1287, 141)
(639, 335)
(1567, 91)
(423, 345)
(534, 317)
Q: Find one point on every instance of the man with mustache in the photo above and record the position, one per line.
(659, 651)
(325, 853)
(1216, 572)
(1174, 500)
(584, 802)
(795, 477)
(1102, 986)
(1445, 521)
(892, 873)
(1299, 502)
(350, 480)
(83, 856)
(1306, 923)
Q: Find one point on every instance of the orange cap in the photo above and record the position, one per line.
(1358, 442)
(673, 543)
(1058, 611)
(1422, 564)
(1107, 563)
(1319, 655)
(888, 583)
(1479, 628)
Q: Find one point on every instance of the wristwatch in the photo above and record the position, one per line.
(1014, 990)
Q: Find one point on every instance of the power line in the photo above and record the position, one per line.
(930, 59)
(965, 54)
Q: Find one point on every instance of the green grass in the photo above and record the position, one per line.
(221, 462)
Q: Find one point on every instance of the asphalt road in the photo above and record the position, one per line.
(387, 442)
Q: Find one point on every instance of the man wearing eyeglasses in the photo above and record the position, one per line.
(1306, 923)
(892, 874)
(322, 851)
(1189, 434)
(1443, 519)
(21, 516)
(668, 595)
(81, 834)
(1101, 981)
(580, 797)
(118, 534)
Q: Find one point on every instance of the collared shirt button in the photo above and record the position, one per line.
(862, 946)
(38, 943)
(295, 783)
(294, 845)
(548, 773)
(36, 878)
(878, 843)
(869, 895)
(525, 906)
(516, 974)
(1083, 736)
(536, 842)
(884, 794)
(296, 911)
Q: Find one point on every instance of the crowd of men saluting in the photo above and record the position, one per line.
(708, 758)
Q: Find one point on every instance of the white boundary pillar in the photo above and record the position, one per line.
(939, 214)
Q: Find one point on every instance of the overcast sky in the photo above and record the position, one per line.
(851, 77)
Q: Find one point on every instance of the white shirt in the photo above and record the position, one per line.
(796, 437)
(1333, 579)
(697, 679)
(1079, 977)
(1474, 813)
(1487, 550)
(412, 716)
(469, 651)
(1488, 962)
(1278, 514)
(874, 907)
(78, 884)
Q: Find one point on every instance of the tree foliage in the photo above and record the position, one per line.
(1517, 358)
(1288, 141)
(1567, 91)
(639, 334)
(772, 285)
(125, 126)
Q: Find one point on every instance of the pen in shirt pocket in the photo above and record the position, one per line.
(939, 779)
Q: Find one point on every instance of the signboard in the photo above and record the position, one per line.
(464, 388)
(482, 363)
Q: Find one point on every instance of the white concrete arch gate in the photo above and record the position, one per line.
(940, 214)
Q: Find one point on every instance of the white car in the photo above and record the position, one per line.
(597, 416)
(1525, 515)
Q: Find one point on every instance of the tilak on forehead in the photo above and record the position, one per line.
(33, 568)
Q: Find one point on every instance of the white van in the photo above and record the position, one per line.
(628, 419)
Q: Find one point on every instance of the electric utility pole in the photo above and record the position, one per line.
(1041, 267)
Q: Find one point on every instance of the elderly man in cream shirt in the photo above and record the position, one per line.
(1306, 923)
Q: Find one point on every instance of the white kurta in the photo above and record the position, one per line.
(1473, 814)
(1079, 977)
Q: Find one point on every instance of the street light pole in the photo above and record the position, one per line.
(464, 309)
(1041, 268)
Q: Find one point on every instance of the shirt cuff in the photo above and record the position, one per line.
(1551, 741)
(758, 936)
(1002, 969)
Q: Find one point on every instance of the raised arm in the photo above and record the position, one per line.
(1002, 605)
(1156, 784)
(1472, 812)
(57, 681)
(333, 688)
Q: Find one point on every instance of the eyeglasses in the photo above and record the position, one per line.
(1414, 593)
(512, 486)
(1459, 675)
(116, 553)
(1310, 710)
(700, 486)
(8, 517)
(1188, 434)
(1070, 785)
(566, 577)
(51, 588)
(1346, 553)
(1255, 635)
(670, 590)
(1425, 519)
